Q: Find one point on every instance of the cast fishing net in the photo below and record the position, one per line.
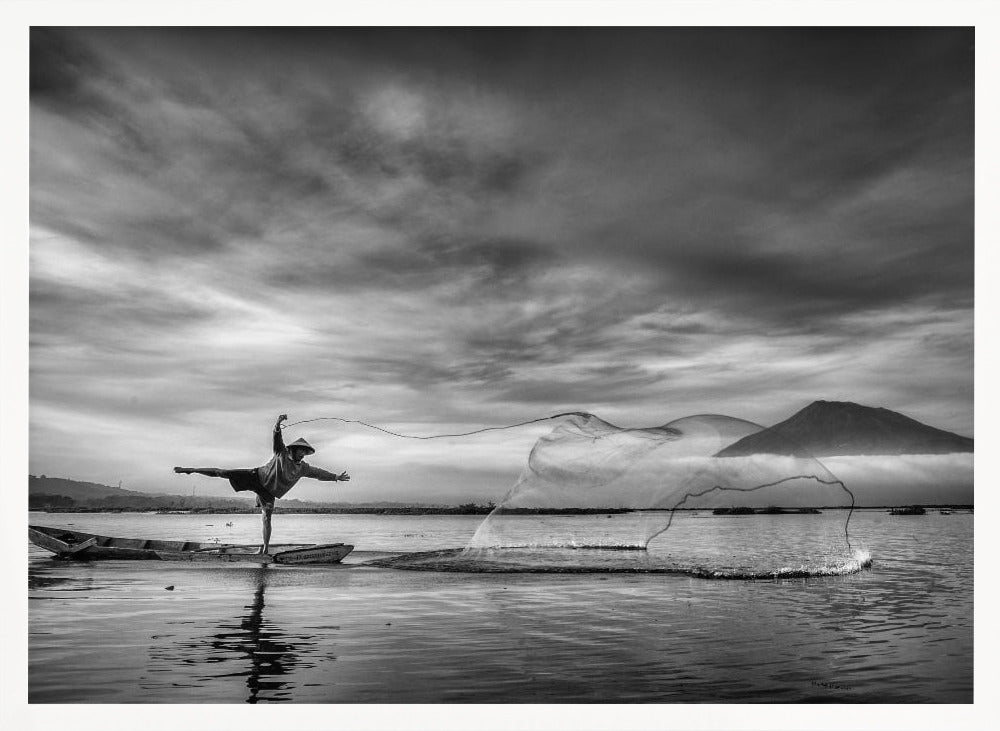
(595, 496)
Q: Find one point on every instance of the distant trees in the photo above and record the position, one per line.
(476, 509)
(41, 502)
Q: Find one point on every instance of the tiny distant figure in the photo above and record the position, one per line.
(272, 480)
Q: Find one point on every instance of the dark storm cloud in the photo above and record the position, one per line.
(490, 263)
(829, 283)
(60, 69)
(845, 177)
(853, 108)
(453, 222)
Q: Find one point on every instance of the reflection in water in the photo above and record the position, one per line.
(269, 657)
(251, 647)
(42, 578)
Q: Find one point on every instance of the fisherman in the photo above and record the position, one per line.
(272, 480)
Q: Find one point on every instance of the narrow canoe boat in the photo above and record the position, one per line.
(71, 544)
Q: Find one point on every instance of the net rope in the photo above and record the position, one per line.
(436, 436)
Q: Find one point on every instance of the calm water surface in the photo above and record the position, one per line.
(901, 631)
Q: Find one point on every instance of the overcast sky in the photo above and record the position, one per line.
(439, 230)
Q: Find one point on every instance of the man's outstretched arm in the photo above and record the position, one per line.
(279, 443)
(318, 473)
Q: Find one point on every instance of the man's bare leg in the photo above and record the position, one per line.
(265, 525)
(208, 471)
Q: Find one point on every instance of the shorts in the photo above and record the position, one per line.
(249, 481)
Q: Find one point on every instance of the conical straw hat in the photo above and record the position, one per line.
(302, 443)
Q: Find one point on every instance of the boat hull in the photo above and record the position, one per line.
(80, 546)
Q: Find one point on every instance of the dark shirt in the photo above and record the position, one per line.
(280, 474)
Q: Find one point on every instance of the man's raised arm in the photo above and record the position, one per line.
(279, 443)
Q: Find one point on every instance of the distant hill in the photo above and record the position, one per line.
(79, 491)
(64, 493)
(841, 428)
(59, 492)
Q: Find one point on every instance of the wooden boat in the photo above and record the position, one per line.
(77, 545)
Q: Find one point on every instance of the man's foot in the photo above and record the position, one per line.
(262, 551)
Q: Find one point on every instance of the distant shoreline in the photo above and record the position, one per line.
(458, 510)
(361, 510)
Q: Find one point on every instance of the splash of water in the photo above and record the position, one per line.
(559, 561)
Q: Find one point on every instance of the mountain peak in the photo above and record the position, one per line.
(835, 428)
(822, 405)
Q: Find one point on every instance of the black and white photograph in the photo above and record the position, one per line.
(500, 365)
